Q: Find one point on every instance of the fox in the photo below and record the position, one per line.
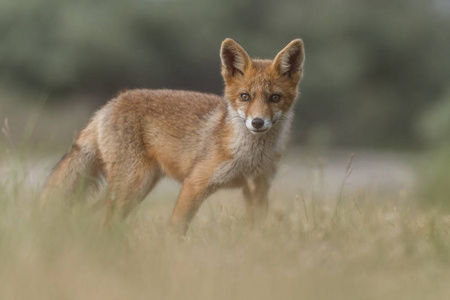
(204, 141)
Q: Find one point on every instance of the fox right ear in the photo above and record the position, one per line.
(234, 59)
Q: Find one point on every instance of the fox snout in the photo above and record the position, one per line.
(258, 125)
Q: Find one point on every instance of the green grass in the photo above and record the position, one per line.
(375, 248)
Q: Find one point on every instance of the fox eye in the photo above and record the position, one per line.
(245, 97)
(275, 98)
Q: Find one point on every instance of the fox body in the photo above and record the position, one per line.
(204, 141)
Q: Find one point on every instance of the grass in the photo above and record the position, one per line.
(374, 248)
(355, 243)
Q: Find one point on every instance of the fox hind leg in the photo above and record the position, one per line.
(127, 187)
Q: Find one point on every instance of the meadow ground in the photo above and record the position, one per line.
(331, 233)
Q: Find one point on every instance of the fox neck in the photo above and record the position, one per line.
(253, 155)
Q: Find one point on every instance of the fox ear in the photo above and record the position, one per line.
(234, 58)
(289, 61)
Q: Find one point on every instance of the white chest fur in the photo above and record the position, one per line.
(254, 155)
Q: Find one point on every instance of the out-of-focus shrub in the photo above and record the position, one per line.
(435, 129)
(435, 184)
(435, 123)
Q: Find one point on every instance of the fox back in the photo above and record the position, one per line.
(204, 141)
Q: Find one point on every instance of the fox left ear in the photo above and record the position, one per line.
(289, 61)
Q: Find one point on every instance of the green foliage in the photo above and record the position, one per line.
(435, 180)
(371, 67)
(435, 123)
(435, 130)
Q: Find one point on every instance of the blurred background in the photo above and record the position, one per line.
(376, 73)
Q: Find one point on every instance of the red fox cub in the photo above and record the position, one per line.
(204, 141)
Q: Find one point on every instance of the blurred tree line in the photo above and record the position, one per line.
(372, 67)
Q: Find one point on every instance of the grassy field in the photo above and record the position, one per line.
(324, 238)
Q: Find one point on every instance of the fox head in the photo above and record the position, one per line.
(261, 92)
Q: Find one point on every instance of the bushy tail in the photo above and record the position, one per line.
(78, 167)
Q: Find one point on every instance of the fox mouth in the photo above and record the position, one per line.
(259, 131)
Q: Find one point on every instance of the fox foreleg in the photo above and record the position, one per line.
(193, 192)
(256, 198)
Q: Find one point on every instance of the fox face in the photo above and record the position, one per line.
(261, 92)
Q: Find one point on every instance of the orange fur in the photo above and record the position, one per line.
(205, 141)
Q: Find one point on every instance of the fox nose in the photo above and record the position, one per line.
(257, 123)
